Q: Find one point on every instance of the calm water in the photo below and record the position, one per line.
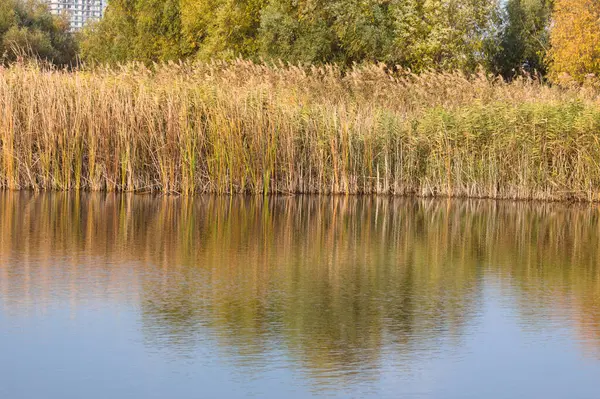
(142, 297)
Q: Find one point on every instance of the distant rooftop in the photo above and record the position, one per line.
(79, 11)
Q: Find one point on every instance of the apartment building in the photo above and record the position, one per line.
(78, 11)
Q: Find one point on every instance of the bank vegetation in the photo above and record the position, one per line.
(241, 127)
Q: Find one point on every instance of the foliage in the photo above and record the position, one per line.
(298, 32)
(575, 39)
(163, 30)
(28, 29)
(222, 29)
(524, 39)
(420, 34)
(450, 34)
(147, 30)
(344, 31)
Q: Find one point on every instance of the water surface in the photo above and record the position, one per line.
(107, 296)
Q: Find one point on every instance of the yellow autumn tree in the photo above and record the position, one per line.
(575, 40)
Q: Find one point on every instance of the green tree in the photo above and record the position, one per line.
(28, 29)
(298, 31)
(443, 34)
(145, 30)
(158, 30)
(113, 38)
(222, 28)
(420, 34)
(525, 37)
(161, 30)
(343, 31)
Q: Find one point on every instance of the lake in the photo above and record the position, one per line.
(136, 296)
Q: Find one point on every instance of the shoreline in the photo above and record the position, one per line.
(573, 201)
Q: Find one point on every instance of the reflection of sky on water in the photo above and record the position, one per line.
(100, 352)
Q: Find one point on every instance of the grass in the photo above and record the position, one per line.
(241, 127)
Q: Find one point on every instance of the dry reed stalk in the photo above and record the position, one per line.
(241, 127)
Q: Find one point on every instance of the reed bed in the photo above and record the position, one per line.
(242, 127)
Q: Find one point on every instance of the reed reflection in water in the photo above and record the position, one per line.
(350, 295)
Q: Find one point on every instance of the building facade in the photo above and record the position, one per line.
(78, 11)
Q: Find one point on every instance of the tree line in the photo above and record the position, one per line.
(555, 38)
(27, 28)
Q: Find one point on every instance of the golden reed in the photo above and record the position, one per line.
(241, 127)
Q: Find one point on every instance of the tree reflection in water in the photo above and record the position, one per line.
(333, 284)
